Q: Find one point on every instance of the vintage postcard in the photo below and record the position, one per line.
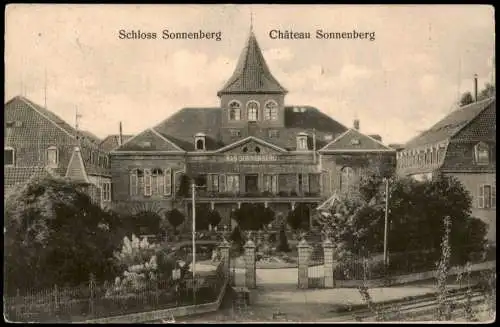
(249, 163)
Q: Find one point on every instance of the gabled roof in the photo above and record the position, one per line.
(249, 139)
(181, 128)
(354, 141)
(252, 75)
(450, 125)
(91, 136)
(111, 142)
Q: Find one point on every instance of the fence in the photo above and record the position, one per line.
(321, 267)
(72, 304)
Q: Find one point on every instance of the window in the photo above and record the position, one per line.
(273, 133)
(9, 156)
(213, 183)
(234, 110)
(487, 196)
(200, 144)
(271, 110)
(106, 191)
(302, 143)
(157, 182)
(222, 183)
(346, 179)
(482, 153)
(253, 111)
(147, 182)
(257, 149)
(52, 156)
(233, 183)
(271, 183)
(167, 182)
(136, 181)
(235, 133)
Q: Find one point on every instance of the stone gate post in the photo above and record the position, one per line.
(303, 253)
(328, 263)
(250, 266)
(224, 252)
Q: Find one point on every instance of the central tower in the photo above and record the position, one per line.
(252, 95)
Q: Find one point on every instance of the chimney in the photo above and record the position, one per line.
(475, 87)
(356, 124)
(120, 136)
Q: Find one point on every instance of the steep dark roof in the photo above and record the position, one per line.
(41, 126)
(451, 124)
(181, 128)
(18, 175)
(110, 142)
(252, 75)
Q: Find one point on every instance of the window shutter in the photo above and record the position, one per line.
(133, 183)
(147, 182)
(168, 182)
(493, 196)
(480, 197)
(274, 182)
(222, 183)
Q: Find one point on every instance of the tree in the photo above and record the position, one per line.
(416, 211)
(214, 218)
(253, 216)
(466, 99)
(298, 218)
(283, 241)
(55, 234)
(488, 91)
(175, 218)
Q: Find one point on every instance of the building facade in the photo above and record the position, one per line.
(463, 145)
(253, 148)
(37, 141)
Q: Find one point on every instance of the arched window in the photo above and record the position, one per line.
(234, 110)
(136, 181)
(271, 110)
(346, 179)
(252, 111)
(52, 156)
(199, 145)
(482, 153)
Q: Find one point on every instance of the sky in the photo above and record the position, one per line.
(398, 85)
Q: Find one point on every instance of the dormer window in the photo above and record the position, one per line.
(252, 111)
(302, 141)
(271, 110)
(234, 110)
(199, 142)
(52, 157)
(482, 153)
(9, 156)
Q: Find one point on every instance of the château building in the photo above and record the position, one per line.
(253, 148)
(463, 145)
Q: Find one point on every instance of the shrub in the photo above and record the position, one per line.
(298, 218)
(237, 239)
(214, 218)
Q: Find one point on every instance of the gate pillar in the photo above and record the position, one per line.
(250, 266)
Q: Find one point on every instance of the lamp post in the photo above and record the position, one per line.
(386, 219)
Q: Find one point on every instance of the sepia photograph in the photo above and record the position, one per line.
(245, 163)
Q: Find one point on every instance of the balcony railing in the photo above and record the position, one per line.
(263, 194)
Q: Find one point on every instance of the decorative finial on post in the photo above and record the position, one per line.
(249, 235)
